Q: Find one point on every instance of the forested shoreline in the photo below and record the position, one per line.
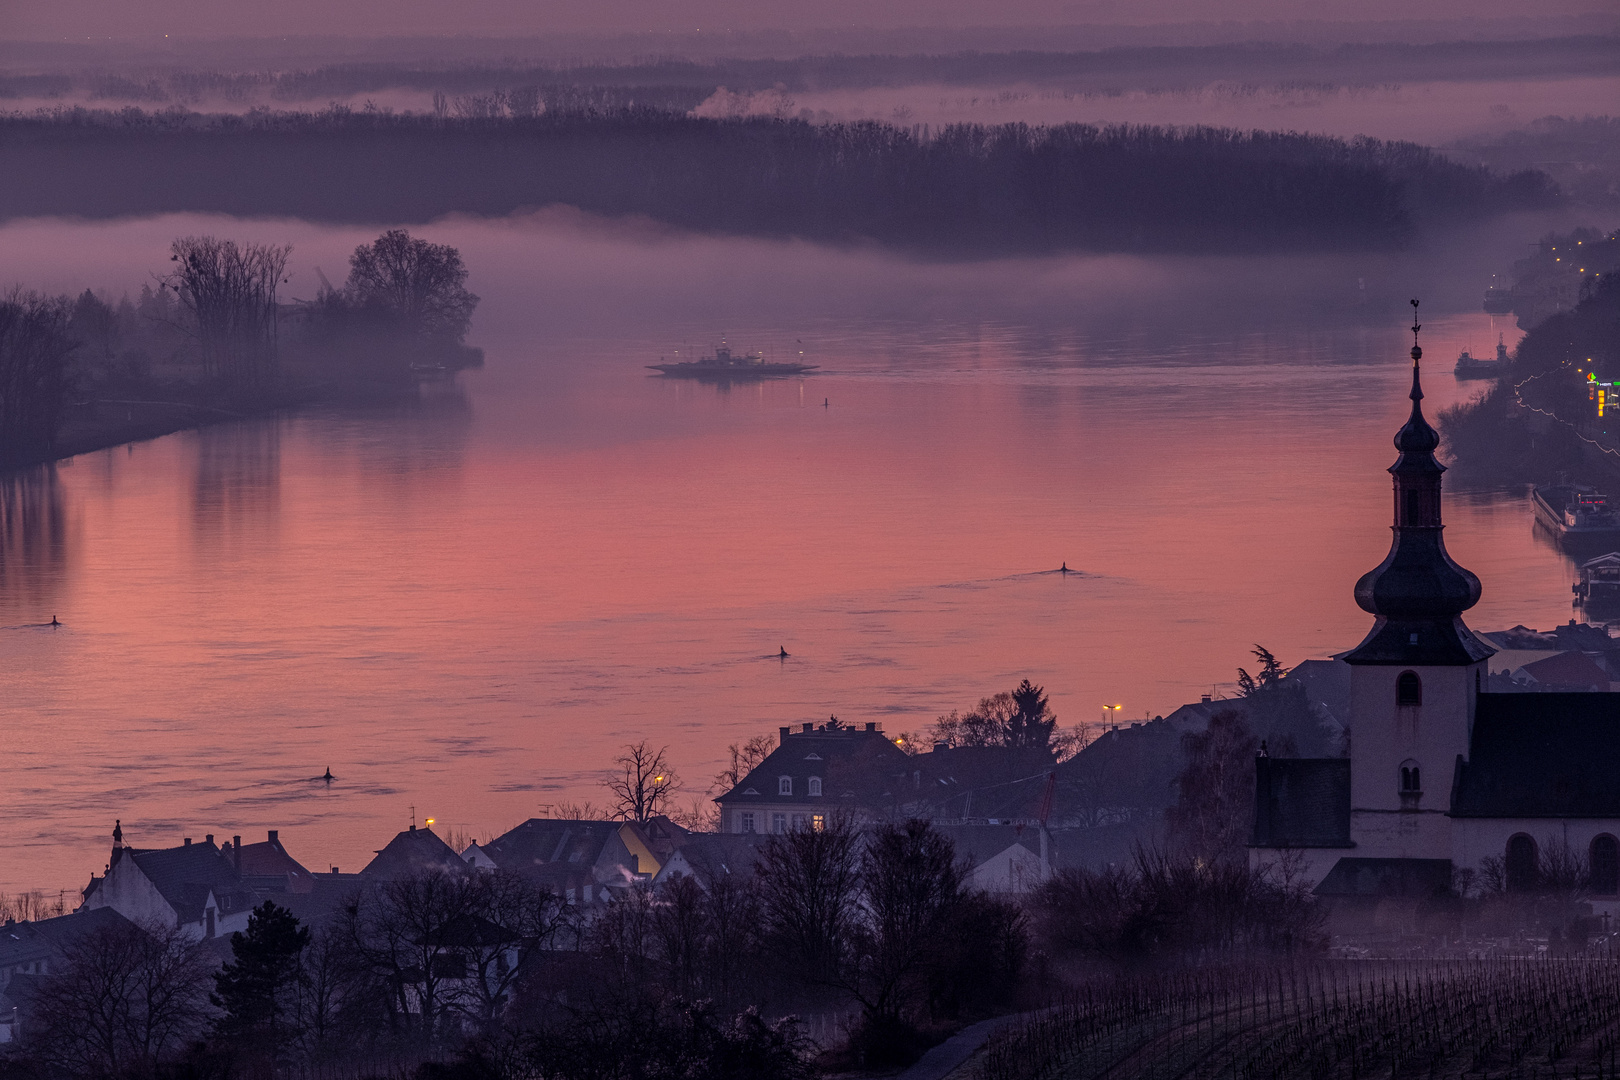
(963, 191)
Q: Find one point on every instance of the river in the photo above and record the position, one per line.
(465, 605)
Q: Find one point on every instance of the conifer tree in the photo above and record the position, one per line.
(258, 988)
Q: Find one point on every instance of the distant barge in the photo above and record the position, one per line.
(1575, 513)
(725, 364)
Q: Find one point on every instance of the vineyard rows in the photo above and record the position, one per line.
(1328, 1020)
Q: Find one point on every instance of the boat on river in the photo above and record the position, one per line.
(725, 364)
(1599, 587)
(1470, 366)
(1576, 513)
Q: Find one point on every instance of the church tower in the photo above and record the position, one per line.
(1415, 678)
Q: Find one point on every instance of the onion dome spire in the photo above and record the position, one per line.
(1418, 592)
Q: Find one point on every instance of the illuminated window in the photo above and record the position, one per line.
(1408, 689)
(784, 786)
(745, 822)
(778, 823)
(818, 822)
(815, 785)
(1411, 778)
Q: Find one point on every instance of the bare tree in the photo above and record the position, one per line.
(809, 881)
(745, 758)
(229, 292)
(35, 350)
(1213, 811)
(404, 933)
(125, 999)
(645, 784)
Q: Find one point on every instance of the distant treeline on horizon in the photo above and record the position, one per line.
(960, 190)
(1103, 70)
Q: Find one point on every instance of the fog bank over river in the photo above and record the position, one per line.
(468, 603)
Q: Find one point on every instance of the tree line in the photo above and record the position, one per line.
(216, 331)
(965, 189)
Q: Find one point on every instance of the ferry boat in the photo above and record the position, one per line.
(725, 364)
(1498, 301)
(1599, 586)
(1470, 366)
(1576, 513)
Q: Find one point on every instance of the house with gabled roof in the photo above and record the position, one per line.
(579, 860)
(192, 888)
(816, 772)
(266, 866)
(414, 851)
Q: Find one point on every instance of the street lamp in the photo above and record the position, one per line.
(1106, 709)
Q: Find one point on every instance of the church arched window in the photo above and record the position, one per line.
(1604, 857)
(1522, 864)
(1411, 778)
(1408, 689)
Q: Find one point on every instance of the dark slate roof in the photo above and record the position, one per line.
(1380, 878)
(1542, 755)
(30, 942)
(712, 855)
(412, 852)
(1302, 802)
(977, 843)
(857, 767)
(544, 841)
(185, 875)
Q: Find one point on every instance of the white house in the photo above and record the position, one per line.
(192, 888)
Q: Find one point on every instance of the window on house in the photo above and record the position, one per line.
(818, 822)
(1408, 689)
(1411, 778)
(745, 822)
(784, 786)
(815, 785)
(1523, 869)
(1604, 858)
(799, 822)
(778, 823)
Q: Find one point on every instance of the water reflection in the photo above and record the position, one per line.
(33, 540)
(236, 484)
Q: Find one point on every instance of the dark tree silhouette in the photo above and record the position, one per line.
(422, 286)
(35, 351)
(259, 987)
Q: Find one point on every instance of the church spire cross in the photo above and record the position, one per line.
(1418, 593)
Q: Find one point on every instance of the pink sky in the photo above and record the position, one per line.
(100, 19)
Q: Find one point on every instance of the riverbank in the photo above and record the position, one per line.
(103, 423)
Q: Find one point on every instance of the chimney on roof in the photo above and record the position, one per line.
(413, 826)
(871, 726)
(275, 835)
(1205, 699)
(334, 870)
(188, 841)
(785, 733)
(209, 838)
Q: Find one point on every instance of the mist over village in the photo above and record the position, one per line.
(938, 541)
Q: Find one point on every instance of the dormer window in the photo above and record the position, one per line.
(784, 786)
(1408, 689)
(815, 785)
